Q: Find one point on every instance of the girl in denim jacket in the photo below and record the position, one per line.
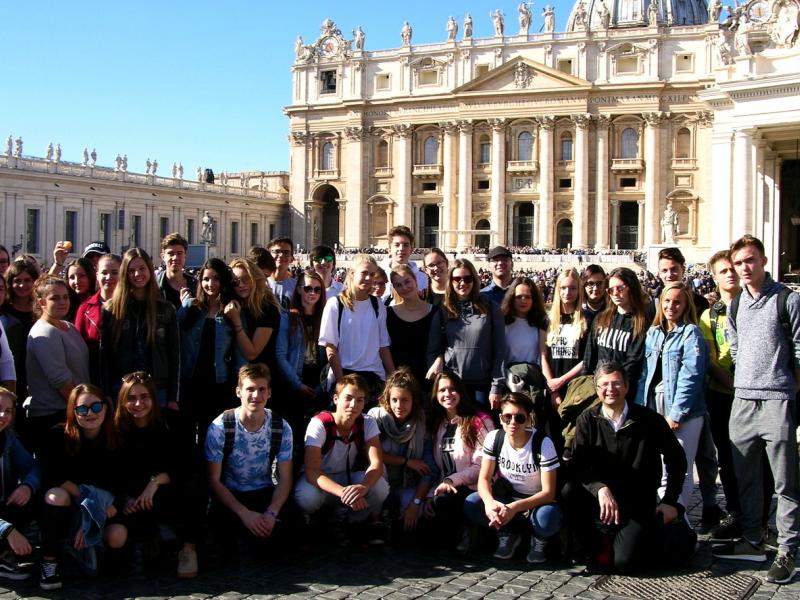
(672, 382)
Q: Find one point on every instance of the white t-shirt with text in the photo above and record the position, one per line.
(517, 466)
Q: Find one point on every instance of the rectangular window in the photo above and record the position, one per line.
(429, 77)
(253, 234)
(486, 151)
(163, 227)
(565, 65)
(136, 231)
(483, 184)
(71, 225)
(234, 237)
(565, 183)
(327, 81)
(627, 65)
(32, 231)
(121, 218)
(272, 235)
(627, 182)
(684, 63)
(190, 231)
(382, 82)
(428, 186)
(105, 228)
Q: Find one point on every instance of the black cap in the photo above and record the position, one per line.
(499, 251)
(96, 248)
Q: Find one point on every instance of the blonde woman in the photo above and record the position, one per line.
(353, 329)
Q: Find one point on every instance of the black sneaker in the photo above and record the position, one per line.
(11, 569)
(376, 534)
(727, 530)
(49, 578)
(711, 517)
(741, 550)
(782, 569)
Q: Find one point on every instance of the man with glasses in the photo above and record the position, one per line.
(594, 289)
(617, 458)
(323, 261)
(282, 282)
(401, 245)
(502, 268)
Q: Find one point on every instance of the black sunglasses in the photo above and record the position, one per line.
(518, 418)
(95, 407)
(312, 288)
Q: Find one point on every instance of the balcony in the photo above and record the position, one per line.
(627, 165)
(685, 164)
(325, 174)
(565, 165)
(522, 166)
(383, 171)
(434, 170)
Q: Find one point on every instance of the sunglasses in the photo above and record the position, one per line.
(322, 259)
(594, 284)
(95, 407)
(464, 279)
(308, 289)
(617, 289)
(277, 252)
(516, 417)
(137, 376)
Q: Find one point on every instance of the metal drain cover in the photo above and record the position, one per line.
(704, 585)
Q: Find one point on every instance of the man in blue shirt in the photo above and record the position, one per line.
(502, 267)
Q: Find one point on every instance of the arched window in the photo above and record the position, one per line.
(327, 157)
(431, 151)
(382, 159)
(485, 150)
(629, 143)
(683, 143)
(566, 146)
(525, 146)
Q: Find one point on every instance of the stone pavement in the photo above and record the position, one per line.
(335, 574)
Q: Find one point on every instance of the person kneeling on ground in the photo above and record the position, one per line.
(343, 460)
(247, 448)
(613, 507)
(525, 462)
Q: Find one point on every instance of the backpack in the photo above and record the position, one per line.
(356, 436)
(501, 487)
(783, 315)
(324, 373)
(276, 437)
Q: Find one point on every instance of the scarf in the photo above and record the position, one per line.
(411, 434)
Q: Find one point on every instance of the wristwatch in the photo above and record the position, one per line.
(154, 479)
(417, 501)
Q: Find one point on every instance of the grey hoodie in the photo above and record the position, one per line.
(764, 356)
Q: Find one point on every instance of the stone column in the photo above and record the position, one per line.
(641, 238)
(447, 223)
(722, 190)
(580, 202)
(652, 188)
(536, 215)
(758, 197)
(614, 223)
(601, 185)
(741, 219)
(298, 186)
(464, 184)
(355, 225)
(402, 173)
(498, 205)
(545, 215)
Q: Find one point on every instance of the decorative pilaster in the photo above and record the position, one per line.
(652, 180)
(546, 125)
(354, 225)
(580, 202)
(601, 239)
(498, 205)
(299, 227)
(615, 223)
(402, 170)
(741, 219)
(449, 131)
(464, 183)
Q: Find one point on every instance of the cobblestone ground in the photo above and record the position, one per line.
(335, 574)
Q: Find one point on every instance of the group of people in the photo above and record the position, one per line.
(256, 401)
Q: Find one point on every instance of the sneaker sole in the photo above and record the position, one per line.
(785, 580)
(50, 586)
(510, 554)
(747, 557)
(187, 575)
(14, 576)
(538, 561)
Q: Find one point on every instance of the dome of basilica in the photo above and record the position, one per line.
(602, 14)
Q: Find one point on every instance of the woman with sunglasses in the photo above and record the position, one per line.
(323, 261)
(436, 265)
(82, 281)
(468, 337)
(153, 487)
(458, 430)
(298, 354)
(206, 348)
(673, 379)
(617, 334)
(57, 359)
(139, 331)
(80, 462)
(517, 482)
(90, 312)
(409, 324)
(407, 446)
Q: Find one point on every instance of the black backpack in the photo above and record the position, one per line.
(276, 437)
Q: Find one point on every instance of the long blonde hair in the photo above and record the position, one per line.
(260, 292)
(556, 310)
(401, 271)
(118, 305)
(689, 313)
(348, 294)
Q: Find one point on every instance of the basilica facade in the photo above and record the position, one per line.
(644, 123)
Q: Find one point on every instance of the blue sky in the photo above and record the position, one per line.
(202, 83)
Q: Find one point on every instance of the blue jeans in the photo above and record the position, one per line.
(545, 519)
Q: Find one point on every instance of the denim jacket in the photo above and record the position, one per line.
(684, 360)
(17, 467)
(191, 335)
(290, 352)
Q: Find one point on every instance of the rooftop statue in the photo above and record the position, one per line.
(405, 34)
(524, 17)
(499, 22)
(452, 29)
(467, 26)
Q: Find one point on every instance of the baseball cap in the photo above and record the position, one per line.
(96, 248)
(499, 251)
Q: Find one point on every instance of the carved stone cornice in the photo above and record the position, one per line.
(546, 122)
(402, 131)
(299, 138)
(498, 125)
(654, 119)
(581, 120)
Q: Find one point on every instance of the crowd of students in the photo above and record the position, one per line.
(256, 403)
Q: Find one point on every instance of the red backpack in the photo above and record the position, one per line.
(356, 436)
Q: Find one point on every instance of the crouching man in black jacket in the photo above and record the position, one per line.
(622, 510)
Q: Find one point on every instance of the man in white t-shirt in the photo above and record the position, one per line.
(343, 466)
(401, 245)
